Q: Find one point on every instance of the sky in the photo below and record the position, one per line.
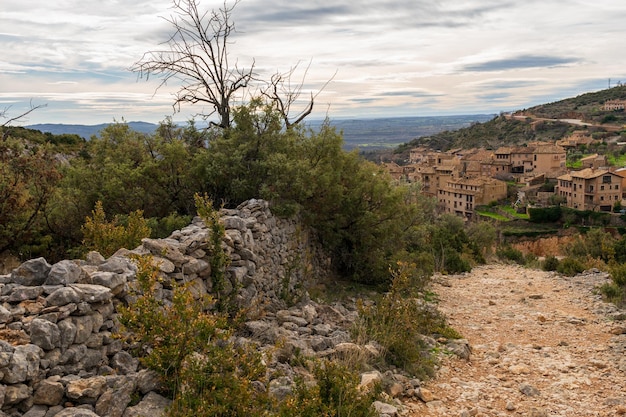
(362, 59)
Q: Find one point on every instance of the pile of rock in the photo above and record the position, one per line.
(57, 348)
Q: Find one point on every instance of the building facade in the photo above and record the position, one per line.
(461, 196)
(590, 189)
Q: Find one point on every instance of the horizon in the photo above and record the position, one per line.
(313, 119)
(420, 60)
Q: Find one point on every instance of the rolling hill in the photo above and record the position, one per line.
(546, 122)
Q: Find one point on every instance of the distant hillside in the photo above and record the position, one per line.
(586, 106)
(504, 130)
(388, 133)
(365, 134)
(87, 131)
(497, 132)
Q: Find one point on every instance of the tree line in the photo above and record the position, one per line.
(50, 185)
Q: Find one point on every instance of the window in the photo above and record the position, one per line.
(602, 188)
(606, 179)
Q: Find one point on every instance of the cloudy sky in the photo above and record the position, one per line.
(384, 58)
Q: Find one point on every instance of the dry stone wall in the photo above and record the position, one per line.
(58, 353)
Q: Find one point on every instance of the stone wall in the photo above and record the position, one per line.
(58, 353)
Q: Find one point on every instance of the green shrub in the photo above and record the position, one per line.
(163, 227)
(219, 259)
(544, 215)
(455, 263)
(614, 293)
(397, 322)
(551, 263)
(107, 237)
(570, 267)
(509, 253)
(336, 393)
(618, 274)
(191, 349)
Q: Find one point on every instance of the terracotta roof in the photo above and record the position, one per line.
(589, 173)
(549, 148)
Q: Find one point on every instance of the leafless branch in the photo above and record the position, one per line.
(7, 123)
(285, 95)
(196, 56)
(3, 114)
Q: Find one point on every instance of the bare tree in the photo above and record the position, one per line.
(7, 123)
(197, 56)
(285, 95)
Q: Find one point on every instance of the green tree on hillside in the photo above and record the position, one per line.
(28, 177)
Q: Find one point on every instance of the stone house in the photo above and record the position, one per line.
(590, 189)
(426, 176)
(460, 196)
(576, 139)
(613, 105)
(538, 158)
(549, 159)
(594, 161)
(395, 170)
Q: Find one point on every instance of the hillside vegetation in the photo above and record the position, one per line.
(504, 130)
(586, 106)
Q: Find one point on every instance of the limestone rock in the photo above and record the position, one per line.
(369, 379)
(23, 365)
(152, 405)
(385, 409)
(124, 363)
(49, 392)
(31, 273)
(63, 296)
(76, 412)
(86, 390)
(45, 334)
(16, 393)
(114, 400)
(63, 273)
(425, 395)
(528, 390)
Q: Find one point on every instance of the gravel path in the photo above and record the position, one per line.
(542, 345)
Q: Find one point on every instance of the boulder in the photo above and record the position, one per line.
(385, 409)
(63, 273)
(31, 273)
(17, 393)
(124, 363)
(63, 296)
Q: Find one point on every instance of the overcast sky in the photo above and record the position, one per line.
(385, 58)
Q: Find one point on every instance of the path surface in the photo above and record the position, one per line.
(542, 345)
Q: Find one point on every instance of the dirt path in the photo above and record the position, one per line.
(542, 345)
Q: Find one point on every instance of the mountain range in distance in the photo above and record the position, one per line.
(362, 133)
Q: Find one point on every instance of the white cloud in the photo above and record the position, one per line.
(402, 57)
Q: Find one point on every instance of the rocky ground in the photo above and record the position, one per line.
(542, 345)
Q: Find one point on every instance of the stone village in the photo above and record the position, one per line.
(463, 179)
